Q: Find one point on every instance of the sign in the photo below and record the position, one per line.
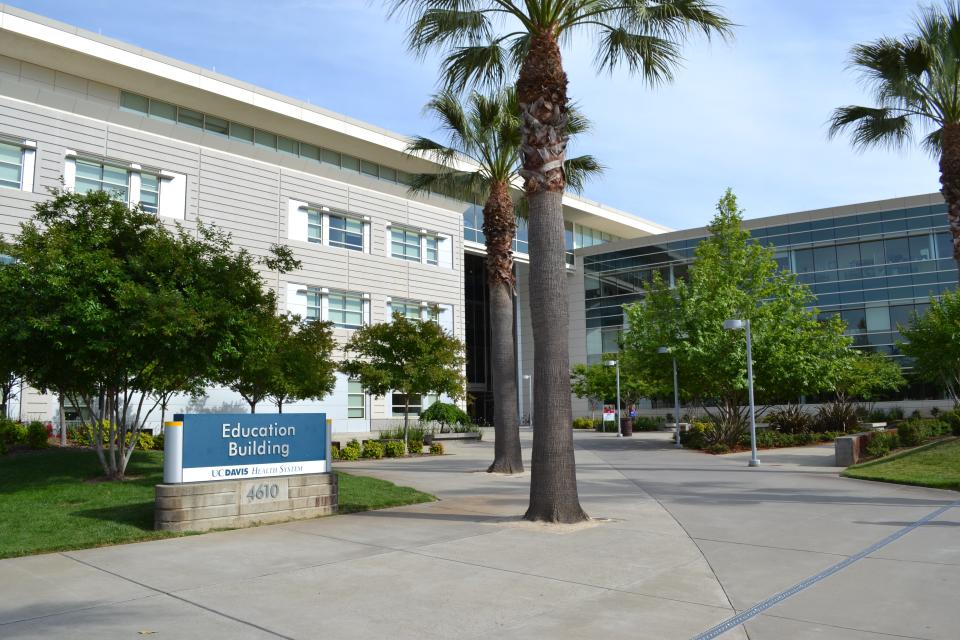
(609, 413)
(243, 446)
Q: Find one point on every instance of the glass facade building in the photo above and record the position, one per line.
(874, 270)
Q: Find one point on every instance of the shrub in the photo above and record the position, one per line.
(935, 412)
(895, 414)
(911, 433)
(445, 413)
(12, 432)
(645, 423)
(394, 448)
(335, 452)
(351, 451)
(877, 415)
(372, 449)
(414, 446)
(583, 423)
(915, 415)
(145, 441)
(791, 419)
(880, 445)
(836, 416)
(436, 449)
(38, 435)
(952, 418)
(158, 441)
(718, 448)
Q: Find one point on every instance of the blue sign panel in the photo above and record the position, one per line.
(244, 445)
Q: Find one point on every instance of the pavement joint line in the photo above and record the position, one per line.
(76, 609)
(837, 626)
(179, 598)
(759, 608)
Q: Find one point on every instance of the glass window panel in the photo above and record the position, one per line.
(400, 406)
(11, 165)
(568, 234)
(163, 111)
(309, 151)
(825, 258)
(133, 102)
(370, 168)
(405, 245)
(803, 260)
(356, 400)
(265, 139)
(404, 178)
(241, 132)
(346, 309)
(288, 146)
(386, 173)
(878, 318)
(346, 233)
(217, 126)
(920, 248)
(190, 118)
(313, 305)
(856, 320)
(314, 226)
(331, 157)
(890, 226)
(897, 250)
(89, 170)
(901, 315)
(944, 245)
(149, 192)
(349, 163)
(433, 254)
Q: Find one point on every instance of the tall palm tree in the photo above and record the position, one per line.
(916, 85)
(486, 132)
(486, 42)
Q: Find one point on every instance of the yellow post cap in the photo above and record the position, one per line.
(177, 423)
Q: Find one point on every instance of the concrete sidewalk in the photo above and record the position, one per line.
(462, 567)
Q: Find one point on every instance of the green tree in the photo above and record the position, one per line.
(486, 131)
(865, 376)
(932, 341)
(733, 276)
(413, 357)
(598, 382)
(490, 42)
(112, 307)
(915, 80)
(304, 367)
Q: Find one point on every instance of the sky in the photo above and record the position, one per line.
(748, 114)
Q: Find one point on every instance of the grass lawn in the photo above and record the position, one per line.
(50, 501)
(935, 466)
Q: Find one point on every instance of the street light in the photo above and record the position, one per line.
(737, 325)
(676, 395)
(529, 377)
(616, 363)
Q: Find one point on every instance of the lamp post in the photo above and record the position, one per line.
(616, 363)
(737, 325)
(676, 395)
(529, 378)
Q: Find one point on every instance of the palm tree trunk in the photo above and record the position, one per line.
(542, 92)
(950, 182)
(499, 226)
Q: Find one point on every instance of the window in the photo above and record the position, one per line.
(407, 308)
(356, 400)
(190, 118)
(346, 309)
(149, 192)
(94, 176)
(288, 146)
(405, 244)
(417, 403)
(241, 132)
(314, 229)
(346, 233)
(11, 166)
(314, 308)
(217, 126)
(433, 250)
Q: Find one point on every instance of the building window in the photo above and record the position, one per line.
(407, 308)
(356, 400)
(149, 192)
(314, 228)
(417, 403)
(405, 244)
(11, 166)
(95, 176)
(346, 309)
(314, 306)
(346, 233)
(433, 250)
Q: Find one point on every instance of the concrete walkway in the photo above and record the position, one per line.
(684, 535)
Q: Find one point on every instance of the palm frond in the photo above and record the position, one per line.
(577, 122)
(431, 150)
(933, 143)
(483, 66)
(453, 119)
(443, 27)
(672, 19)
(652, 57)
(871, 126)
(461, 185)
(580, 169)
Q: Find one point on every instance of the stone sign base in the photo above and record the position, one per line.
(201, 506)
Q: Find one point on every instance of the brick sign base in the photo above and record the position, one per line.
(228, 504)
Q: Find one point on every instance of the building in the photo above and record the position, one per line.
(874, 264)
(191, 145)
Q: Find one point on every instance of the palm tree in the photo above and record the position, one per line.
(916, 85)
(486, 132)
(486, 42)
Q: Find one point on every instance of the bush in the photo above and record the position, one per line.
(158, 441)
(791, 419)
(880, 444)
(877, 415)
(394, 448)
(836, 416)
(436, 449)
(895, 414)
(583, 423)
(335, 452)
(718, 448)
(37, 435)
(351, 451)
(445, 413)
(952, 418)
(911, 433)
(414, 446)
(12, 433)
(645, 423)
(935, 412)
(372, 449)
(695, 437)
(145, 441)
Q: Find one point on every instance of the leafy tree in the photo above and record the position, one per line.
(413, 357)
(598, 381)
(304, 368)
(733, 276)
(865, 376)
(933, 342)
(486, 131)
(113, 309)
(488, 43)
(915, 81)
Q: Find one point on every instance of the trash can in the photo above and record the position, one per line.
(626, 427)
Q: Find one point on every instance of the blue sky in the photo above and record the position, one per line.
(748, 114)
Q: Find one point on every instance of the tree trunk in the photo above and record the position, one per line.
(61, 408)
(950, 182)
(499, 226)
(542, 92)
(406, 417)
